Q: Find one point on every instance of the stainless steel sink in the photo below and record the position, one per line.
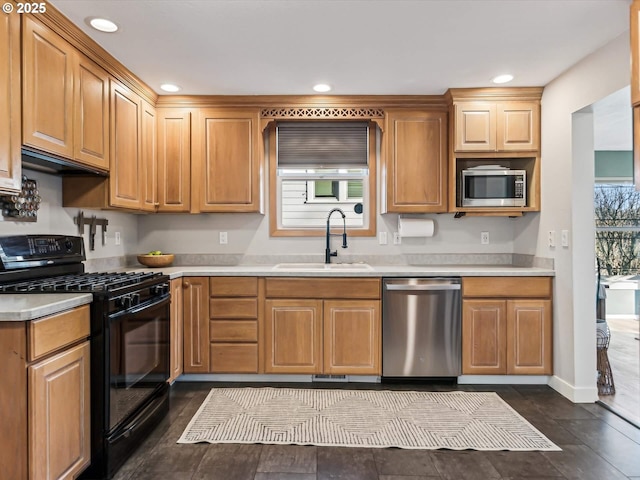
(323, 267)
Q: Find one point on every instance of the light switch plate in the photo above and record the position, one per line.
(564, 238)
(397, 239)
(118, 238)
(382, 238)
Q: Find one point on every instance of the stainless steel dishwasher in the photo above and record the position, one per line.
(421, 327)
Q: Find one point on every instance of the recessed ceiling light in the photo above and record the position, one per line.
(103, 25)
(170, 87)
(322, 88)
(502, 78)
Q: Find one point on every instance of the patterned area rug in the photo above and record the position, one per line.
(363, 418)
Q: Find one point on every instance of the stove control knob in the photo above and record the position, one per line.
(68, 244)
(124, 302)
(135, 299)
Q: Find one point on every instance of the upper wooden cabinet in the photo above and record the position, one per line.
(91, 113)
(65, 99)
(48, 63)
(416, 161)
(10, 109)
(148, 158)
(174, 160)
(226, 161)
(508, 126)
(635, 53)
(126, 176)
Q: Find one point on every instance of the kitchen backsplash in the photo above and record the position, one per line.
(195, 238)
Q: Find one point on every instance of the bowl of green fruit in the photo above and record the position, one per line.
(156, 259)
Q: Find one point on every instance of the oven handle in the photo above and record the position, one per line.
(141, 418)
(142, 306)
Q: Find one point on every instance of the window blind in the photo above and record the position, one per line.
(322, 144)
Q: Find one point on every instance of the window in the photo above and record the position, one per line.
(308, 184)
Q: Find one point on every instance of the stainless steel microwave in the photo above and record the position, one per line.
(493, 186)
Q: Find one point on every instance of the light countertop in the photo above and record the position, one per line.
(26, 306)
(29, 306)
(376, 271)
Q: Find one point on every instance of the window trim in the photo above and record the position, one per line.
(276, 231)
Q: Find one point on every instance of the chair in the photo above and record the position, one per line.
(606, 385)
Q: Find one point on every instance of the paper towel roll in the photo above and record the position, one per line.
(415, 227)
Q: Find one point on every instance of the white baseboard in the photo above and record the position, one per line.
(503, 379)
(575, 394)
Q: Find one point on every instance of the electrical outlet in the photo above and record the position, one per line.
(564, 238)
(223, 238)
(382, 238)
(118, 238)
(397, 239)
(552, 238)
(484, 238)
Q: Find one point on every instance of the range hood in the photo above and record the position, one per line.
(48, 163)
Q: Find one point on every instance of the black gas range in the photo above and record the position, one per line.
(129, 338)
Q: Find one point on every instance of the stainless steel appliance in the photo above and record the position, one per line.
(129, 339)
(493, 186)
(421, 327)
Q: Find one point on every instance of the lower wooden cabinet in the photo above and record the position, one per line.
(45, 426)
(293, 336)
(221, 324)
(196, 324)
(326, 334)
(60, 415)
(176, 329)
(234, 324)
(505, 334)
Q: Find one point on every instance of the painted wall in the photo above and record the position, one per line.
(567, 203)
(54, 219)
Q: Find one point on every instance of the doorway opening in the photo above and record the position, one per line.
(617, 242)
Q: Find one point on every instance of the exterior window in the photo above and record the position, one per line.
(305, 194)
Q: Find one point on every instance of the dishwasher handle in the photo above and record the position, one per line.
(425, 287)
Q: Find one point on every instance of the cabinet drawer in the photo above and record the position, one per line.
(233, 331)
(233, 308)
(51, 333)
(512, 287)
(365, 288)
(233, 286)
(234, 358)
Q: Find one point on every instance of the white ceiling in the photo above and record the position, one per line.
(376, 47)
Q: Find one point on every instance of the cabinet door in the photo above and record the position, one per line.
(125, 172)
(518, 126)
(148, 158)
(176, 329)
(635, 52)
(59, 415)
(293, 336)
(484, 337)
(226, 161)
(47, 90)
(475, 127)
(529, 342)
(196, 324)
(174, 160)
(417, 161)
(352, 337)
(10, 109)
(91, 114)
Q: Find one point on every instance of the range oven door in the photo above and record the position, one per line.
(139, 357)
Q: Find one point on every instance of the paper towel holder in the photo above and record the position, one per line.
(415, 226)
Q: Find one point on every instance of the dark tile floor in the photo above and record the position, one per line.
(596, 445)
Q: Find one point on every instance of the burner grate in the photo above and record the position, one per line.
(83, 282)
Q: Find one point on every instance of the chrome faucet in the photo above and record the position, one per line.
(327, 251)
